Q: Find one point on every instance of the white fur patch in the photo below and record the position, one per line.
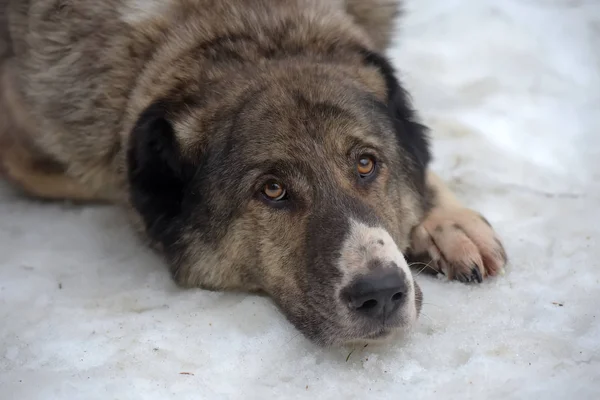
(364, 244)
(139, 11)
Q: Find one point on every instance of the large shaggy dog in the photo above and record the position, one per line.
(261, 145)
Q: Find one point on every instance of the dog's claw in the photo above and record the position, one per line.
(463, 277)
(476, 276)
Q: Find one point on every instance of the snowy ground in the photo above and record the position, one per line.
(512, 89)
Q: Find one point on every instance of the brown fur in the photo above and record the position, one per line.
(253, 81)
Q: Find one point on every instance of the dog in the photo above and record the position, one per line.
(259, 145)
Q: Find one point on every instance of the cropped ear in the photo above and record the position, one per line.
(411, 135)
(156, 172)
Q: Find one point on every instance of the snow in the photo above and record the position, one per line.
(512, 91)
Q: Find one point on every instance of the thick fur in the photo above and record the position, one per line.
(182, 110)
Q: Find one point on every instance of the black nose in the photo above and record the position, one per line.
(379, 294)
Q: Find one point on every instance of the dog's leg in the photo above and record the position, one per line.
(40, 178)
(28, 168)
(454, 240)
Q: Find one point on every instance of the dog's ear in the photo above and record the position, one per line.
(411, 135)
(156, 171)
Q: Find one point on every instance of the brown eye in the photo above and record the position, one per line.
(365, 166)
(274, 191)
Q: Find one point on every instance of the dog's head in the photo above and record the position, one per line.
(302, 181)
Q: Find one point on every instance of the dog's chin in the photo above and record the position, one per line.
(378, 335)
(382, 336)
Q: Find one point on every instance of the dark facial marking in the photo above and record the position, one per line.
(157, 174)
(410, 134)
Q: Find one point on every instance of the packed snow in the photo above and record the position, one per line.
(511, 90)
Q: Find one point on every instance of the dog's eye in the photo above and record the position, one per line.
(274, 191)
(365, 166)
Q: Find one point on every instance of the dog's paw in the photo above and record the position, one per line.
(460, 243)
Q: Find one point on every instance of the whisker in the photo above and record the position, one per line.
(293, 337)
(422, 269)
(431, 304)
(417, 263)
(427, 316)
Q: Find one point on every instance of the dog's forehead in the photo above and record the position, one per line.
(301, 123)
